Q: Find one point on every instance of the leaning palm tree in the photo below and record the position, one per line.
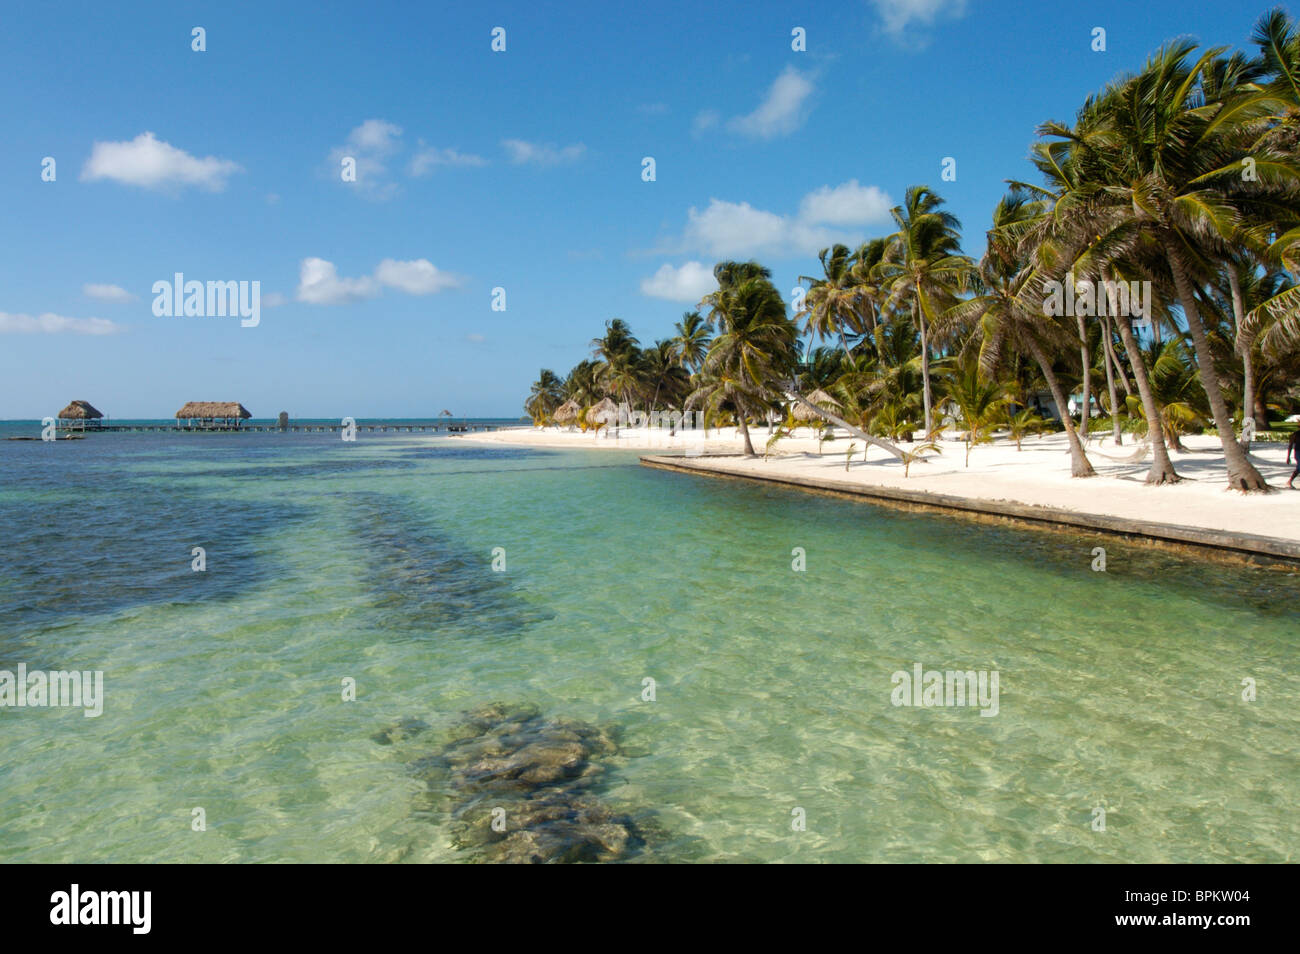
(1008, 311)
(755, 348)
(924, 271)
(1165, 169)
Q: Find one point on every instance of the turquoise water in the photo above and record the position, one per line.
(373, 561)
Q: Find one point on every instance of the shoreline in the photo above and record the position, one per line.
(1031, 487)
(1250, 547)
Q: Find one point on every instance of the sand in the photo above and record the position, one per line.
(1038, 474)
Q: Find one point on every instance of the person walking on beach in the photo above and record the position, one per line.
(1294, 448)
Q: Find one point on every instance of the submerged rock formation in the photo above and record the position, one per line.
(523, 788)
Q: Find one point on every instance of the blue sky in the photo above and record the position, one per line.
(478, 169)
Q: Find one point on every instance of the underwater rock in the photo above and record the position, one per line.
(400, 732)
(522, 789)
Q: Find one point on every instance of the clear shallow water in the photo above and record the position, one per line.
(372, 561)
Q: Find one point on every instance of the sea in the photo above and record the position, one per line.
(317, 650)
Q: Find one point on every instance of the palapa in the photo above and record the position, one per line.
(79, 411)
(567, 412)
(213, 411)
(819, 397)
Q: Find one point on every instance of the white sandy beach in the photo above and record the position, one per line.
(1039, 474)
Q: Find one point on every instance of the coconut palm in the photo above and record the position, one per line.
(755, 349)
(1165, 169)
(545, 395)
(833, 301)
(664, 374)
(1022, 423)
(619, 356)
(978, 399)
(691, 342)
(582, 385)
(924, 270)
(871, 295)
(1008, 312)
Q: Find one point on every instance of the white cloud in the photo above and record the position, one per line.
(274, 300)
(52, 324)
(474, 337)
(689, 283)
(826, 216)
(542, 154)
(107, 292)
(781, 111)
(150, 163)
(376, 136)
(725, 227)
(896, 16)
(428, 157)
(319, 284)
(419, 277)
(369, 145)
(846, 204)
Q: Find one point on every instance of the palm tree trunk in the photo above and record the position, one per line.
(1242, 474)
(1114, 358)
(1079, 464)
(1084, 357)
(1244, 348)
(1110, 383)
(744, 428)
(794, 395)
(848, 355)
(1162, 468)
(925, 370)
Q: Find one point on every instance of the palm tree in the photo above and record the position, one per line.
(979, 401)
(1008, 309)
(832, 302)
(1024, 422)
(619, 357)
(691, 342)
(872, 297)
(1177, 389)
(664, 373)
(1164, 168)
(925, 270)
(545, 395)
(582, 385)
(755, 348)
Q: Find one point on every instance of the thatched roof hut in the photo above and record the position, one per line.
(606, 412)
(567, 412)
(819, 397)
(210, 411)
(79, 411)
